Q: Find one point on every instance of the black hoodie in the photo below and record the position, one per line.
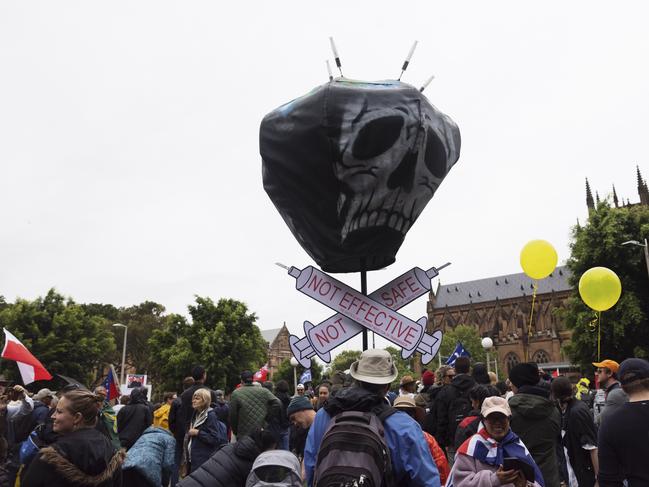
(134, 418)
(452, 405)
(83, 458)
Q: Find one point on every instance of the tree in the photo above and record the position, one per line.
(222, 337)
(403, 366)
(285, 372)
(625, 327)
(470, 339)
(60, 334)
(343, 361)
(142, 320)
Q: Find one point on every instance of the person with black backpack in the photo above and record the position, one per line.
(453, 405)
(358, 439)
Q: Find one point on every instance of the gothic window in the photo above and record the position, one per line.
(511, 360)
(541, 357)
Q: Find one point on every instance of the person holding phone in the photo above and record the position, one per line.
(495, 456)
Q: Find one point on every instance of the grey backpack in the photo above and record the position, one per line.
(354, 453)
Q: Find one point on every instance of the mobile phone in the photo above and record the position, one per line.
(512, 463)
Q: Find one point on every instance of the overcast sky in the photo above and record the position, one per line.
(129, 158)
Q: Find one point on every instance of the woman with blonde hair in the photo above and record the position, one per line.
(81, 455)
(206, 433)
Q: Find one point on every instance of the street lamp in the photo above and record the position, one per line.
(121, 372)
(487, 343)
(646, 249)
(294, 363)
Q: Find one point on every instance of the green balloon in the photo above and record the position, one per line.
(600, 288)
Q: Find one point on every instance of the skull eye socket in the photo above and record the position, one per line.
(377, 136)
(435, 155)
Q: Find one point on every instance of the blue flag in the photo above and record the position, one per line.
(459, 351)
(305, 377)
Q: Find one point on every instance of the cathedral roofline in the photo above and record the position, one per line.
(499, 288)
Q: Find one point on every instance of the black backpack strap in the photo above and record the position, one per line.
(384, 413)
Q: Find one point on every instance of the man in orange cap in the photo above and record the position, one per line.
(614, 395)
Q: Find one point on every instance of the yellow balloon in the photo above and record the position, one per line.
(600, 288)
(538, 259)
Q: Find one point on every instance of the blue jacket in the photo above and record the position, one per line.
(411, 459)
(211, 435)
(152, 455)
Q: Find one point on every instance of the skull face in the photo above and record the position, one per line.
(393, 157)
(351, 165)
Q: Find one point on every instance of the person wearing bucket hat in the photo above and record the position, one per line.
(407, 386)
(622, 441)
(373, 373)
(408, 406)
(536, 419)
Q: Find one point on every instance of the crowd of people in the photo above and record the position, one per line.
(457, 426)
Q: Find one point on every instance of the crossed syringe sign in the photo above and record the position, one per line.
(376, 312)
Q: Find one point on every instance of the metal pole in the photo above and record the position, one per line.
(646, 254)
(294, 380)
(364, 292)
(121, 375)
(488, 362)
(496, 363)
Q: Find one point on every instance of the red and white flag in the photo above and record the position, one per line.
(30, 367)
(555, 374)
(261, 375)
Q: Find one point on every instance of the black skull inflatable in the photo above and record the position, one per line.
(351, 165)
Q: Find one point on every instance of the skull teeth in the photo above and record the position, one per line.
(378, 218)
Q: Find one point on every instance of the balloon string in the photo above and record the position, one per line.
(529, 326)
(599, 335)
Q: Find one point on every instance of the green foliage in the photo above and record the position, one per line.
(344, 360)
(60, 333)
(223, 338)
(403, 366)
(285, 372)
(469, 337)
(625, 327)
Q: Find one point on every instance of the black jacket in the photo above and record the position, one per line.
(285, 399)
(577, 421)
(430, 422)
(449, 405)
(538, 423)
(228, 467)
(133, 419)
(176, 424)
(212, 434)
(82, 458)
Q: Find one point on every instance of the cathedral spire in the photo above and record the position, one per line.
(615, 200)
(643, 191)
(597, 198)
(589, 197)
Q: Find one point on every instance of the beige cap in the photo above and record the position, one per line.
(42, 394)
(404, 402)
(374, 367)
(495, 404)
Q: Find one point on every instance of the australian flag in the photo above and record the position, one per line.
(305, 377)
(458, 352)
(110, 383)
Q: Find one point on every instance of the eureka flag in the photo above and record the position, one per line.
(305, 377)
(458, 352)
